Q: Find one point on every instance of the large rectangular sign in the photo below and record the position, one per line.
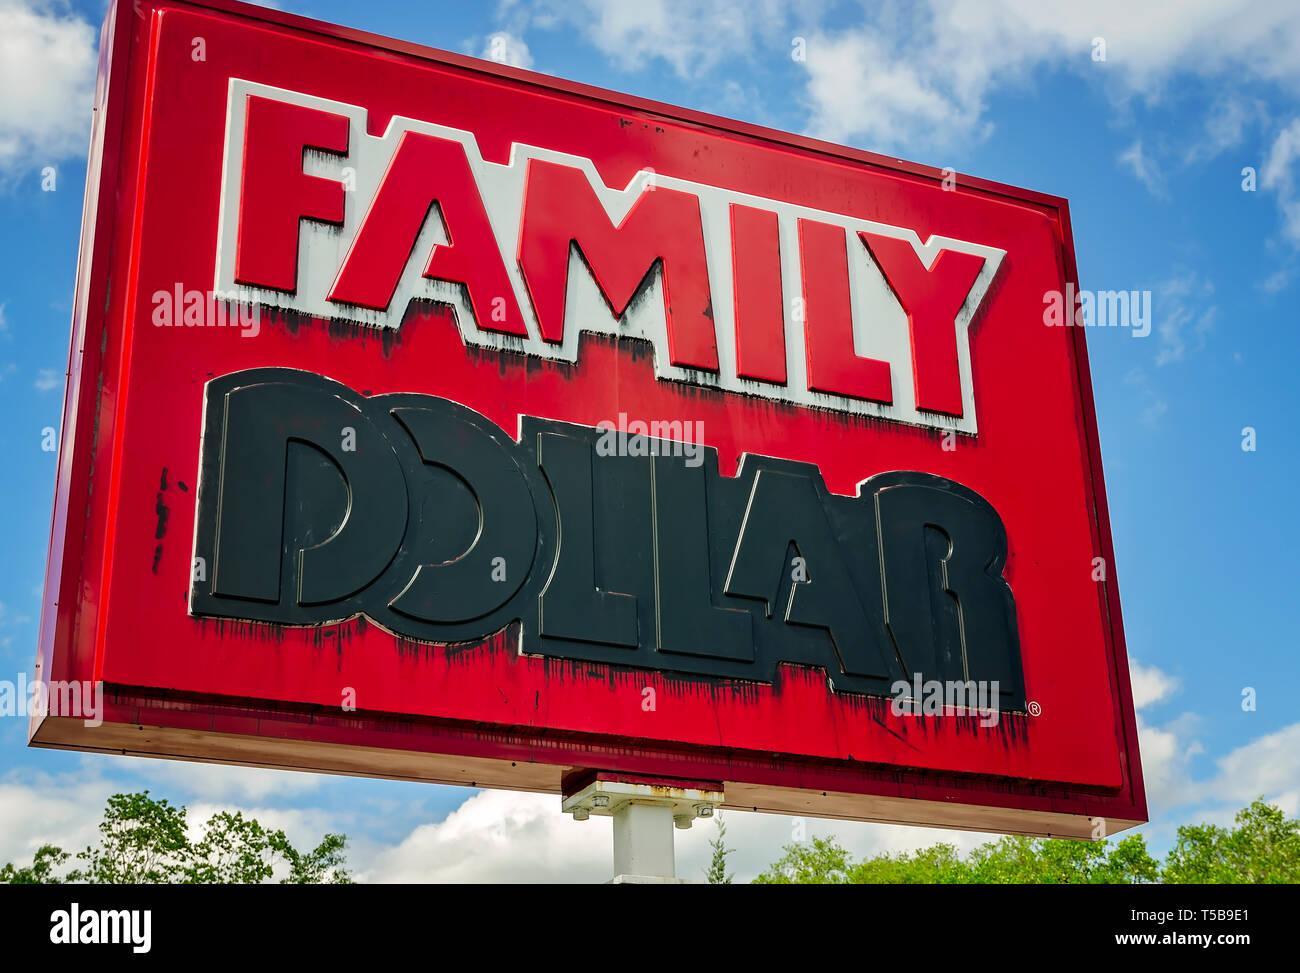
(433, 419)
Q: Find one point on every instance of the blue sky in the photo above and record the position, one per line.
(1149, 146)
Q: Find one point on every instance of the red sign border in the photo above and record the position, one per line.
(253, 733)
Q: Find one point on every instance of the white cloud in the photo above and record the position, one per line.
(859, 88)
(1184, 316)
(920, 82)
(1280, 279)
(1167, 752)
(1269, 766)
(505, 48)
(503, 836)
(1164, 749)
(1226, 124)
(942, 58)
(1145, 169)
(1281, 157)
(1279, 176)
(47, 76)
(219, 783)
(500, 836)
(46, 379)
(691, 36)
(37, 809)
(948, 56)
(1150, 685)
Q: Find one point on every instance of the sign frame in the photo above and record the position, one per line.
(162, 721)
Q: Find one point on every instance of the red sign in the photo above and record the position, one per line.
(433, 419)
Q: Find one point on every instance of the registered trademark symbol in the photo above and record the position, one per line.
(1035, 709)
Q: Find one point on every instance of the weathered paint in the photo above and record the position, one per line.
(262, 693)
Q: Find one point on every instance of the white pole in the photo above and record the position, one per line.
(643, 840)
(645, 814)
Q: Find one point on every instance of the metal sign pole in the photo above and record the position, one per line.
(644, 814)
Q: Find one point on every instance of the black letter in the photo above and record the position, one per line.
(948, 608)
(256, 424)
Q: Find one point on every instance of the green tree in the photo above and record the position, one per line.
(1130, 863)
(40, 871)
(1055, 861)
(234, 850)
(936, 865)
(1263, 849)
(323, 865)
(717, 873)
(822, 861)
(141, 841)
(146, 841)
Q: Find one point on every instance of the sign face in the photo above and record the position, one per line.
(433, 419)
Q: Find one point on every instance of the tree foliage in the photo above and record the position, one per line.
(40, 872)
(717, 873)
(143, 840)
(148, 840)
(820, 862)
(1264, 847)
